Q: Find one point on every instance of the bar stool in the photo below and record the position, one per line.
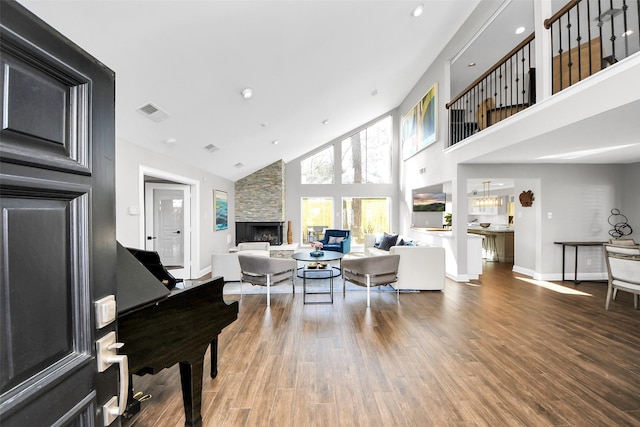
(491, 246)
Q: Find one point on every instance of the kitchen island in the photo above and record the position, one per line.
(504, 240)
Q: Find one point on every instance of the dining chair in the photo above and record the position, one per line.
(623, 269)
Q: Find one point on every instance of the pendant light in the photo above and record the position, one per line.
(486, 201)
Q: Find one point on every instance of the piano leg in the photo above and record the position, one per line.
(214, 358)
(191, 379)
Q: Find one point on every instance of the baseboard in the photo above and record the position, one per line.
(462, 277)
(204, 271)
(557, 277)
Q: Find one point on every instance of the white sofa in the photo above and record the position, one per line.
(422, 267)
(227, 264)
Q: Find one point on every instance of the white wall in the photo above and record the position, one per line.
(129, 159)
(579, 199)
(630, 197)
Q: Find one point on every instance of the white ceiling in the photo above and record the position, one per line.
(306, 61)
(492, 43)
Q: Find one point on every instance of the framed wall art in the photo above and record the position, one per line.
(220, 207)
(418, 128)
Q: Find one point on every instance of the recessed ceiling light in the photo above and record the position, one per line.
(374, 93)
(238, 165)
(471, 64)
(325, 122)
(264, 124)
(417, 11)
(170, 141)
(520, 30)
(275, 142)
(247, 93)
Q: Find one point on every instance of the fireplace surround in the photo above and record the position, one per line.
(271, 232)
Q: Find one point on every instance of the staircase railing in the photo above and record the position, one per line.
(503, 90)
(590, 35)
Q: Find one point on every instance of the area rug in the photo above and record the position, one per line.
(236, 288)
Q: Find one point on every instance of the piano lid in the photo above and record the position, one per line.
(135, 284)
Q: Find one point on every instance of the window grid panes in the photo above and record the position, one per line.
(317, 215)
(318, 168)
(365, 215)
(366, 155)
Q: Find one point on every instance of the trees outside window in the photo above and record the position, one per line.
(317, 215)
(318, 168)
(363, 215)
(366, 155)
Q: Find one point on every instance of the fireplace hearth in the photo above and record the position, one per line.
(271, 232)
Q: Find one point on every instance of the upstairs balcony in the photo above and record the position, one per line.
(584, 37)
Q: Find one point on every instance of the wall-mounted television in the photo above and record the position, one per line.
(426, 201)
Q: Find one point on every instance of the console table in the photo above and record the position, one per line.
(576, 245)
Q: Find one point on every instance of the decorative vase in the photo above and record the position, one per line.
(289, 233)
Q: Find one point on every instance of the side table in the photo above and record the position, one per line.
(318, 273)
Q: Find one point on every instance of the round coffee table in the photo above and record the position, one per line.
(318, 273)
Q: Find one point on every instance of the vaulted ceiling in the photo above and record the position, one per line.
(308, 62)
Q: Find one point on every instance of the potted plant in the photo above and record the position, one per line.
(448, 219)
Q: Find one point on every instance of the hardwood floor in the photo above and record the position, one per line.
(500, 351)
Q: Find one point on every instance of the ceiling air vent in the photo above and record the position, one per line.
(153, 112)
(211, 148)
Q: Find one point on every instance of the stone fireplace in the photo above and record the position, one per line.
(271, 232)
(260, 206)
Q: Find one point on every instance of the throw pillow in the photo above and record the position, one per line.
(334, 240)
(387, 241)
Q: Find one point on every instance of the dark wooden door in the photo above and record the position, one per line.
(58, 252)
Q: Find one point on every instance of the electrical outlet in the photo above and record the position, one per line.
(549, 215)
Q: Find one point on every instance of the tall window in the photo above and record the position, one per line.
(318, 168)
(364, 215)
(317, 215)
(366, 156)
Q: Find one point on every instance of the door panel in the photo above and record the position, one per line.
(36, 85)
(32, 350)
(57, 240)
(167, 217)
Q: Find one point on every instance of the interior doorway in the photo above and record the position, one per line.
(167, 225)
(180, 258)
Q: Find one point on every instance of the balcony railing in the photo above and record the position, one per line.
(586, 37)
(503, 90)
(590, 35)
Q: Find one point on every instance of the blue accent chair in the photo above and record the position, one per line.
(341, 241)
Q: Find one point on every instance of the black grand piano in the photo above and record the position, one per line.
(162, 322)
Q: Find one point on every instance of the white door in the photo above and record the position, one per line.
(168, 230)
